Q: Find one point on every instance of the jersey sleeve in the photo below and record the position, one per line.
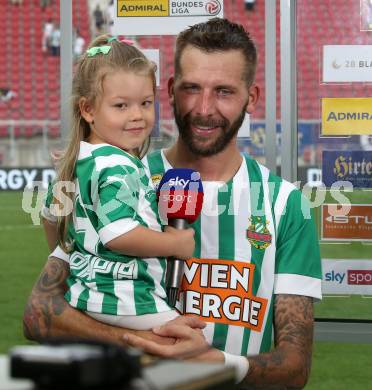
(117, 201)
(298, 264)
(59, 253)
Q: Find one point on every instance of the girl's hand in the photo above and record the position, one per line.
(183, 242)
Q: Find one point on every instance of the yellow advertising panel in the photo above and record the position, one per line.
(346, 116)
(147, 8)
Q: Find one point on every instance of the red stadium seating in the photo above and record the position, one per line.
(24, 68)
(35, 76)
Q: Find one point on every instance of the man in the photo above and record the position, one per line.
(6, 94)
(256, 268)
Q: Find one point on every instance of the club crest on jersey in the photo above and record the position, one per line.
(258, 234)
(156, 180)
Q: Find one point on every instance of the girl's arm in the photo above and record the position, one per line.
(144, 242)
(47, 314)
(50, 229)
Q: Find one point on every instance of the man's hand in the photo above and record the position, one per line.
(212, 355)
(189, 342)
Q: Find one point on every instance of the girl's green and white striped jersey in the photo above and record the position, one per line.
(113, 196)
(254, 239)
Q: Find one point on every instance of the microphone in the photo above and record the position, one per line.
(180, 196)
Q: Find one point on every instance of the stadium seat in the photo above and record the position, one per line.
(24, 67)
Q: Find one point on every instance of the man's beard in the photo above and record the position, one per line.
(191, 139)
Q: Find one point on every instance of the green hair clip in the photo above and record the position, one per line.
(113, 38)
(97, 50)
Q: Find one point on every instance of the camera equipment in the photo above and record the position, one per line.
(75, 364)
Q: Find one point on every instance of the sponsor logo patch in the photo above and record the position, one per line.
(258, 234)
(221, 291)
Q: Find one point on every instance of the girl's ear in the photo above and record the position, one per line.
(86, 110)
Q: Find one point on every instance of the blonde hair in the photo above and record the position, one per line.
(87, 82)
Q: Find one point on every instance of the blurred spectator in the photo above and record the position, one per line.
(44, 4)
(47, 34)
(110, 14)
(79, 44)
(55, 41)
(6, 94)
(366, 142)
(98, 18)
(249, 4)
(16, 2)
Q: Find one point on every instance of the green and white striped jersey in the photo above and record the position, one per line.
(254, 239)
(113, 195)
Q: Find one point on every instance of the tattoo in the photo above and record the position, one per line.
(288, 365)
(46, 300)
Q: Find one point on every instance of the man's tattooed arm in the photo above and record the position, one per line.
(46, 301)
(288, 365)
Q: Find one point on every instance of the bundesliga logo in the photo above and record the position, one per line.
(213, 7)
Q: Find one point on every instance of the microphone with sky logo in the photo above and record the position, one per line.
(180, 196)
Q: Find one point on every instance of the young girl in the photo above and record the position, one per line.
(114, 235)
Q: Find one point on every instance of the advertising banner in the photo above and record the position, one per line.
(354, 225)
(346, 116)
(352, 166)
(162, 17)
(347, 63)
(347, 277)
(17, 179)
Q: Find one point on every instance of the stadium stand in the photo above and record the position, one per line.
(26, 69)
(35, 75)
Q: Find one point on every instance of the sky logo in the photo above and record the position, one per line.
(333, 276)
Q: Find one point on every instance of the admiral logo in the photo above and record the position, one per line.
(133, 8)
(346, 116)
(349, 116)
(359, 277)
(148, 8)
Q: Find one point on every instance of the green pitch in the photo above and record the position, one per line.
(23, 251)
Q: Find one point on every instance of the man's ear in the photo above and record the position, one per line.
(86, 110)
(171, 90)
(254, 94)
